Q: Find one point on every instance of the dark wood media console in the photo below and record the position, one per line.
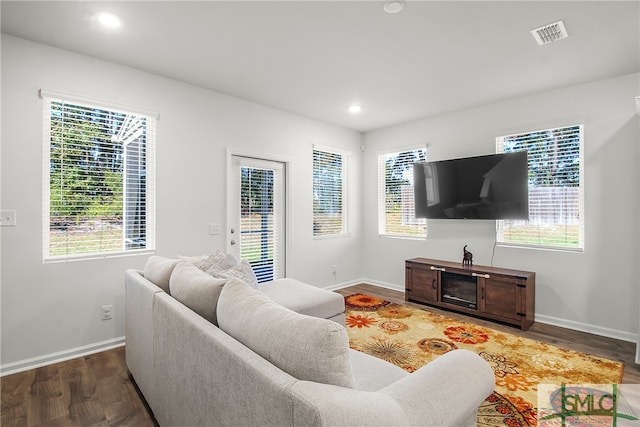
(500, 294)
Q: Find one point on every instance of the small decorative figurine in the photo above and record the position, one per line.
(467, 257)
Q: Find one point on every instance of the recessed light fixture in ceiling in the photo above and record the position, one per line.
(550, 33)
(355, 109)
(108, 20)
(393, 6)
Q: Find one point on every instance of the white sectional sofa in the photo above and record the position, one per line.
(239, 357)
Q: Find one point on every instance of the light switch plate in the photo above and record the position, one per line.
(7, 218)
(215, 229)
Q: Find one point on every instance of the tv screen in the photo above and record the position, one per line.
(494, 186)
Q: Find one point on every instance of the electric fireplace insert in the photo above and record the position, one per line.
(459, 289)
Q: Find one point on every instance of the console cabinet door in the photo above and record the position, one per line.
(502, 296)
(421, 283)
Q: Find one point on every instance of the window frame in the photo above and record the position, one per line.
(344, 232)
(48, 97)
(579, 247)
(381, 196)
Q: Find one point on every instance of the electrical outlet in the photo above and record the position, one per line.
(215, 229)
(335, 269)
(106, 312)
(7, 218)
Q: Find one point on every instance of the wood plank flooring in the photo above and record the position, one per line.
(96, 390)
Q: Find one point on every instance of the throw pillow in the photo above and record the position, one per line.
(219, 260)
(241, 271)
(193, 258)
(158, 270)
(196, 289)
(308, 348)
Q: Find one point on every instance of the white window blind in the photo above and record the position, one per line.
(556, 189)
(395, 194)
(98, 180)
(328, 194)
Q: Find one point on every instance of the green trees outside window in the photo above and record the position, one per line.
(97, 180)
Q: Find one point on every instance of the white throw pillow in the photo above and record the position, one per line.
(193, 258)
(158, 270)
(219, 260)
(308, 348)
(241, 271)
(196, 289)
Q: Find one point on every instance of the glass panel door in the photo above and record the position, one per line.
(257, 215)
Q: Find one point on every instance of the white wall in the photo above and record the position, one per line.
(596, 290)
(50, 308)
(53, 310)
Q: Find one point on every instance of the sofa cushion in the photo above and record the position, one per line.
(304, 298)
(308, 348)
(196, 289)
(158, 270)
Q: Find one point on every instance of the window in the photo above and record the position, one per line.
(328, 194)
(395, 194)
(98, 180)
(556, 189)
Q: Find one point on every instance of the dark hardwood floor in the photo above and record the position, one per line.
(96, 390)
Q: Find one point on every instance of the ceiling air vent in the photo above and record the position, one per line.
(550, 33)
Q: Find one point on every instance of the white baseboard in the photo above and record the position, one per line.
(591, 329)
(342, 285)
(386, 285)
(638, 352)
(60, 356)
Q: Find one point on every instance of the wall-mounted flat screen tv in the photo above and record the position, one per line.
(494, 186)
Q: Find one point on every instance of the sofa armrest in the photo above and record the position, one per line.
(139, 329)
(446, 391)
(325, 405)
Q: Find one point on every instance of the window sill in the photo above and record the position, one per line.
(403, 237)
(539, 247)
(86, 257)
(332, 236)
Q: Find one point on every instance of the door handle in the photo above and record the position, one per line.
(233, 242)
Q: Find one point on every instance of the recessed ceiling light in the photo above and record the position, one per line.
(393, 6)
(108, 20)
(355, 109)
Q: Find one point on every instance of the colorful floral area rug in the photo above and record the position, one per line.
(411, 338)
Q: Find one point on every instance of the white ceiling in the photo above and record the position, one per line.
(315, 58)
